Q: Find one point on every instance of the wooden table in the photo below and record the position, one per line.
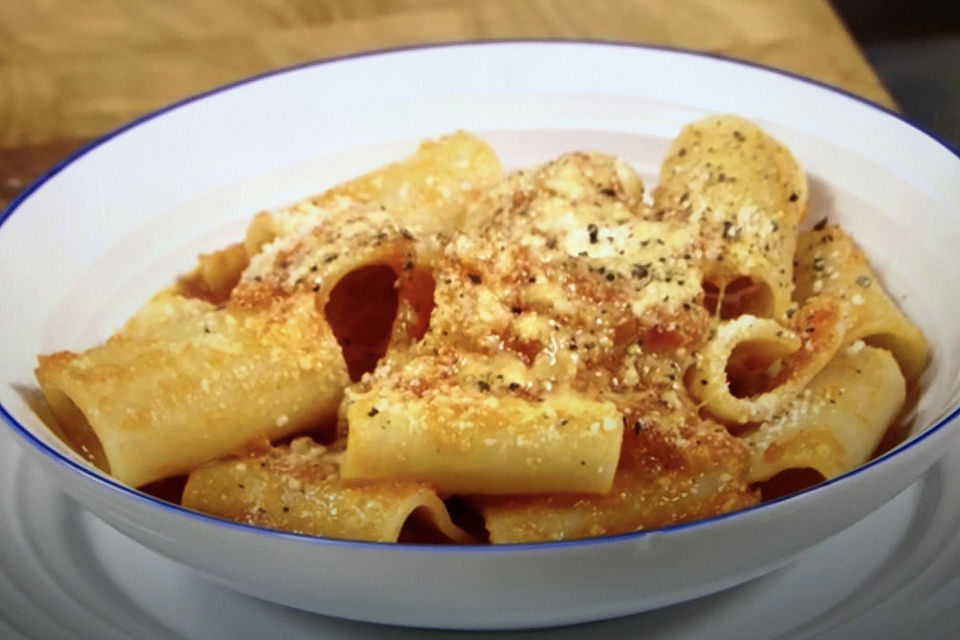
(69, 71)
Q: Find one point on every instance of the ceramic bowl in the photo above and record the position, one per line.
(86, 245)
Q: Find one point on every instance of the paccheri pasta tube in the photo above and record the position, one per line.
(464, 442)
(747, 195)
(548, 350)
(298, 488)
(800, 350)
(185, 382)
(828, 263)
(838, 424)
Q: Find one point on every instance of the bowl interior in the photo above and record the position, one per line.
(87, 247)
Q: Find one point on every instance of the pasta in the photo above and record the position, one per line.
(462, 445)
(668, 473)
(838, 424)
(185, 382)
(748, 196)
(298, 488)
(829, 264)
(553, 352)
(802, 351)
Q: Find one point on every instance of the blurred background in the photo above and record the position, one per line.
(915, 48)
(71, 71)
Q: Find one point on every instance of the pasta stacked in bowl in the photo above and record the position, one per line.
(554, 350)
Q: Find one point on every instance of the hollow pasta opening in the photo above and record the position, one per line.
(466, 516)
(75, 429)
(421, 528)
(168, 489)
(361, 311)
(752, 369)
(740, 296)
(789, 481)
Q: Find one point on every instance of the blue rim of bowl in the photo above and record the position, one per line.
(129, 492)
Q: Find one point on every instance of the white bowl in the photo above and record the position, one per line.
(83, 247)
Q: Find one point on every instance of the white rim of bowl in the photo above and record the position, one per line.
(139, 496)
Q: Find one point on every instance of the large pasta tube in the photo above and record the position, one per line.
(185, 382)
(462, 442)
(365, 272)
(298, 488)
(829, 263)
(748, 195)
(818, 331)
(427, 192)
(663, 479)
(839, 423)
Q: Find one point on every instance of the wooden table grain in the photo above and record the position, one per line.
(70, 71)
